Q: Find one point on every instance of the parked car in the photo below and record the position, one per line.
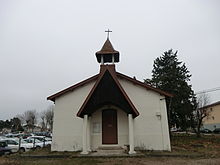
(2, 137)
(45, 140)
(24, 146)
(217, 130)
(47, 134)
(48, 139)
(4, 149)
(26, 135)
(205, 130)
(13, 144)
(35, 143)
(10, 135)
(173, 129)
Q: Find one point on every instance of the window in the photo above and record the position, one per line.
(12, 142)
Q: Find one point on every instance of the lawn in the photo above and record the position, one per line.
(186, 149)
(208, 146)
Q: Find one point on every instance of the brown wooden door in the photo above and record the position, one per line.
(109, 127)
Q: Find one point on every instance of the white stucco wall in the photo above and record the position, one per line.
(67, 127)
(150, 131)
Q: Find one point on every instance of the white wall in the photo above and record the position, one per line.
(67, 127)
(151, 132)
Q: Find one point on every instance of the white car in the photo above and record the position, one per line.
(2, 137)
(45, 140)
(11, 135)
(13, 144)
(35, 143)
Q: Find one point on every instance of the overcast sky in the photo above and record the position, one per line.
(48, 45)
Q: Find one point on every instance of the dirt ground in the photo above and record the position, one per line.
(161, 161)
(114, 161)
(186, 150)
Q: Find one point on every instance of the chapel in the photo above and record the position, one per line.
(110, 109)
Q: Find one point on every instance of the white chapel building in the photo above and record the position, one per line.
(110, 109)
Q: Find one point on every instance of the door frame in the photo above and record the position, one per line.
(115, 115)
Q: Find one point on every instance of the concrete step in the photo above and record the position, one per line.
(109, 150)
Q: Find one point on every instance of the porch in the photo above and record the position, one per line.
(110, 128)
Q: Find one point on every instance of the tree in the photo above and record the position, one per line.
(201, 112)
(13, 124)
(1, 124)
(43, 121)
(171, 75)
(16, 125)
(47, 119)
(30, 118)
(5, 124)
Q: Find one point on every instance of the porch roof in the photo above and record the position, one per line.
(107, 90)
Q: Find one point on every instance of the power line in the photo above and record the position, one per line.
(208, 90)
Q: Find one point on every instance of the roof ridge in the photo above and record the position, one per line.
(52, 97)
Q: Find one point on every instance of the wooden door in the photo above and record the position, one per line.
(109, 127)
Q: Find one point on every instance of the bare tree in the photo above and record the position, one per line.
(47, 119)
(43, 121)
(201, 112)
(30, 118)
(21, 117)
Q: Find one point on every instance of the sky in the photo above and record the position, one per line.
(49, 45)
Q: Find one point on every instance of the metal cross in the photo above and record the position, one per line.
(108, 31)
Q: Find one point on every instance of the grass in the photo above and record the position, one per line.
(66, 161)
(207, 145)
(186, 149)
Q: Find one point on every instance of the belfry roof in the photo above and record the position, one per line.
(107, 50)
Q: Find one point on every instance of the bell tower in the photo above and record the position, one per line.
(107, 54)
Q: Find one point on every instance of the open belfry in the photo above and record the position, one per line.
(110, 110)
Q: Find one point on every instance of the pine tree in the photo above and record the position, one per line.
(171, 75)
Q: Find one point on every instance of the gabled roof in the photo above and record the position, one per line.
(71, 88)
(117, 75)
(107, 90)
(148, 87)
